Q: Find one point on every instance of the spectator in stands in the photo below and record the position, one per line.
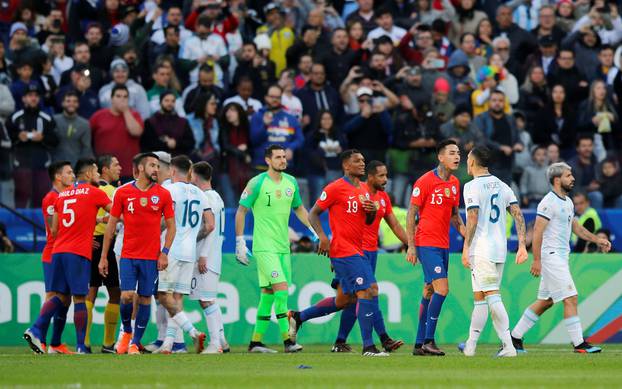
(533, 184)
(323, 144)
(5, 76)
(137, 96)
(587, 217)
(384, 20)
(7, 185)
(205, 128)
(423, 40)
(586, 45)
(291, 103)
(206, 47)
(73, 131)
(442, 107)
(7, 104)
(607, 71)
(602, 233)
(458, 74)
(162, 77)
(23, 82)
(47, 84)
(21, 47)
(306, 44)
(556, 122)
(534, 94)
(522, 158)
(565, 72)
(80, 83)
(318, 95)
(281, 36)
(599, 115)
(364, 15)
(487, 80)
(501, 136)
(254, 66)
(462, 129)
(585, 169)
(553, 153)
(507, 81)
(245, 91)
(272, 125)
(174, 18)
(340, 59)
(411, 91)
(611, 183)
(32, 134)
(234, 140)
(6, 246)
(82, 59)
(467, 19)
(523, 42)
(117, 130)
(101, 55)
(356, 36)
(547, 27)
(166, 131)
(467, 45)
(205, 87)
(544, 57)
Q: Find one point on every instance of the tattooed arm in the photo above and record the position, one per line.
(521, 232)
(457, 222)
(471, 227)
(411, 230)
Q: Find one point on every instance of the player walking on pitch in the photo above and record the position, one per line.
(271, 196)
(350, 209)
(191, 213)
(376, 181)
(75, 213)
(62, 177)
(208, 268)
(485, 247)
(142, 204)
(435, 197)
(555, 222)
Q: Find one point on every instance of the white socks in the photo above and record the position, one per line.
(213, 318)
(161, 321)
(184, 323)
(479, 317)
(500, 319)
(172, 329)
(573, 325)
(526, 321)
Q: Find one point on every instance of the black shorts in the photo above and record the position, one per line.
(113, 271)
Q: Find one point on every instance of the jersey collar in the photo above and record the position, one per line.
(558, 196)
(438, 176)
(79, 183)
(346, 179)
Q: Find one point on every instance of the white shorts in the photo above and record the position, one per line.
(176, 278)
(204, 287)
(556, 282)
(485, 275)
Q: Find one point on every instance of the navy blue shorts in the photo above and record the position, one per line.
(70, 274)
(141, 272)
(435, 262)
(372, 257)
(353, 273)
(47, 276)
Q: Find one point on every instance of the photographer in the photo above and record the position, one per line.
(605, 21)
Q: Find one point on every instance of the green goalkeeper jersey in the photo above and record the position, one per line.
(271, 203)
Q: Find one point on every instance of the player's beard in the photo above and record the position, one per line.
(153, 179)
(568, 188)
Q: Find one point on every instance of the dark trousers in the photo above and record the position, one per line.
(31, 185)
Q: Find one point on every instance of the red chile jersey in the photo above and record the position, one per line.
(383, 205)
(47, 208)
(77, 208)
(435, 198)
(345, 216)
(142, 213)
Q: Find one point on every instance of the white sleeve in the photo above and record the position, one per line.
(509, 196)
(470, 197)
(545, 209)
(203, 248)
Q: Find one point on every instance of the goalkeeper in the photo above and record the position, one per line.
(271, 196)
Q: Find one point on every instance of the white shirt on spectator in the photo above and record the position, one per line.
(194, 48)
(253, 103)
(158, 36)
(292, 105)
(59, 66)
(396, 34)
(607, 37)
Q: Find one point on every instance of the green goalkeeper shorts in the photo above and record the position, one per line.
(273, 268)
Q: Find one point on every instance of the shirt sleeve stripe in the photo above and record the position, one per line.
(472, 206)
(546, 217)
(513, 202)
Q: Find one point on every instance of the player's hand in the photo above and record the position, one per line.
(241, 251)
(202, 265)
(324, 246)
(103, 267)
(536, 268)
(604, 244)
(411, 255)
(162, 262)
(465, 259)
(369, 206)
(521, 255)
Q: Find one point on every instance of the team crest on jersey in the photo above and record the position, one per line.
(155, 199)
(289, 192)
(143, 201)
(361, 198)
(454, 190)
(275, 274)
(278, 193)
(446, 192)
(416, 191)
(383, 203)
(244, 195)
(323, 196)
(50, 210)
(359, 281)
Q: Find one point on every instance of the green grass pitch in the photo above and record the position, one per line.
(543, 366)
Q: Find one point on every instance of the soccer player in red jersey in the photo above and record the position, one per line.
(142, 204)
(435, 197)
(74, 219)
(61, 176)
(376, 181)
(349, 210)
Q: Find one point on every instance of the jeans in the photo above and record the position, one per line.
(7, 193)
(31, 185)
(226, 190)
(399, 185)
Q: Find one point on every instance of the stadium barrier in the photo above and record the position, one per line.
(598, 279)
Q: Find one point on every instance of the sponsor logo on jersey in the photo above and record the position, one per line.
(289, 192)
(323, 196)
(143, 201)
(50, 210)
(155, 199)
(416, 191)
(437, 270)
(275, 274)
(278, 193)
(359, 281)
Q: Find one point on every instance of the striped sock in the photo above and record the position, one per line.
(80, 318)
(322, 308)
(48, 310)
(526, 321)
(184, 323)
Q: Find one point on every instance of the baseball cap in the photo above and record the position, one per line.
(271, 7)
(118, 63)
(364, 91)
(16, 27)
(383, 39)
(163, 156)
(546, 41)
(32, 88)
(119, 34)
(415, 71)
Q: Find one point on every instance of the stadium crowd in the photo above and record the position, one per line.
(536, 81)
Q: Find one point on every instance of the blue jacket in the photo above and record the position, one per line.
(284, 130)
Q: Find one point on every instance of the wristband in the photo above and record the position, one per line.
(165, 250)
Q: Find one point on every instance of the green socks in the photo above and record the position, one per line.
(280, 309)
(264, 311)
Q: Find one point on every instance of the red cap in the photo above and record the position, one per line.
(441, 85)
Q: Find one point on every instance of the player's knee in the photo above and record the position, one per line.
(571, 301)
(78, 299)
(144, 300)
(428, 290)
(443, 290)
(364, 294)
(374, 290)
(127, 297)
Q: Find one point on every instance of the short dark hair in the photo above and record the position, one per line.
(103, 161)
(71, 93)
(580, 193)
(206, 68)
(56, 167)
(347, 154)
(118, 87)
(444, 143)
(140, 157)
(171, 27)
(497, 92)
(182, 163)
(481, 155)
(83, 164)
(381, 11)
(583, 136)
(274, 86)
(372, 166)
(81, 43)
(268, 152)
(203, 169)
